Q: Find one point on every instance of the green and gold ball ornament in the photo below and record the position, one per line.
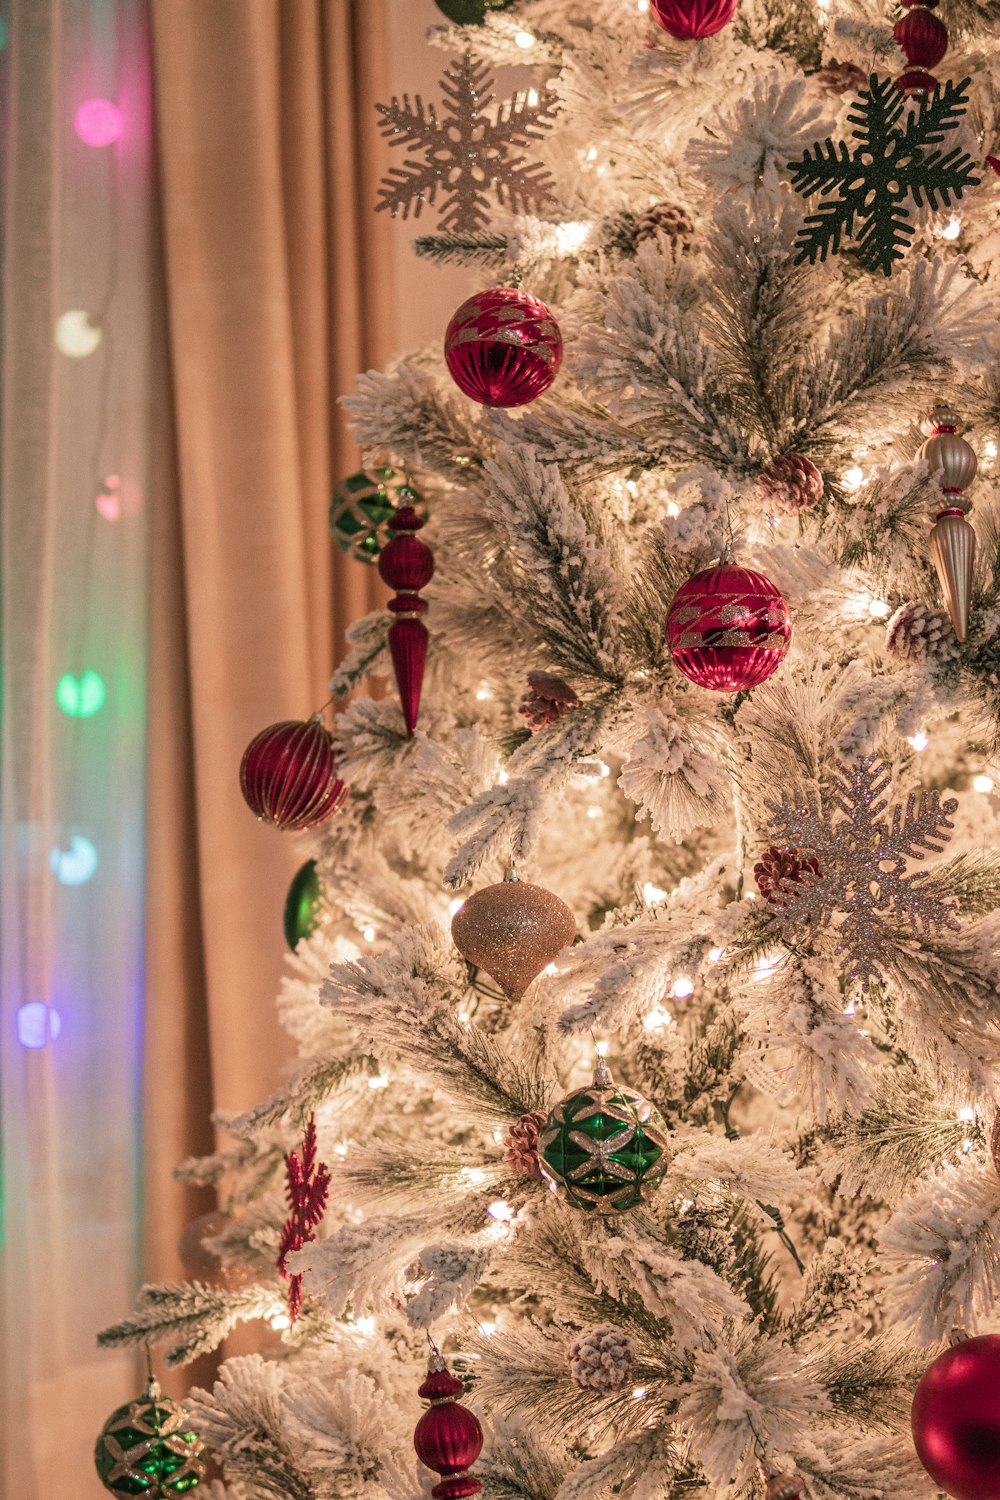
(471, 12)
(148, 1448)
(604, 1148)
(362, 506)
(303, 905)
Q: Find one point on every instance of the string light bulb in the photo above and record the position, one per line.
(524, 39)
(98, 122)
(982, 783)
(76, 336)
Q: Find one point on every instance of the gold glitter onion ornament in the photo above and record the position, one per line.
(512, 930)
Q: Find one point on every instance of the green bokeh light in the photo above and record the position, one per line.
(81, 697)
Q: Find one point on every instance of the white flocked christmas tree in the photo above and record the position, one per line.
(786, 899)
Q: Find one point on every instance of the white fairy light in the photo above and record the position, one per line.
(463, 1017)
(673, 509)
(532, 96)
(982, 783)
(369, 934)
(682, 987)
(919, 741)
(639, 1394)
(380, 1081)
(603, 768)
(475, 1175)
(989, 448)
(593, 811)
(967, 1145)
(280, 1321)
(487, 1329)
(850, 1008)
(366, 1325)
(498, 1137)
(571, 237)
(500, 1211)
(714, 954)
(340, 1149)
(642, 6)
(550, 969)
(591, 154)
(652, 893)
(483, 693)
(632, 487)
(852, 477)
(952, 229)
(879, 609)
(524, 39)
(503, 778)
(657, 1019)
(967, 1114)
(601, 1048)
(765, 963)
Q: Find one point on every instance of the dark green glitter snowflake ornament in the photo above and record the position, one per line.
(362, 506)
(147, 1448)
(893, 162)
(603, 1148)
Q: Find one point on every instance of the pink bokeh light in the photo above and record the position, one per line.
(98, 122)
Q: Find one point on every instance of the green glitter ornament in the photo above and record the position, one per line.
(303, 905)
(148, 1448)
(362, 506)
(603, 1148)
(471, 12)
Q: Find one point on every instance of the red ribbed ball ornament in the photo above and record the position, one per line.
(448, 1437)
(728, 628)
(922, 37)
(956, 1419)
(503, 347)
(288, 775)
(688, 20)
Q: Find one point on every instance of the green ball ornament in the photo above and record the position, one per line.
(303, 905)
(471, 12)
(603, 1148)
(362, 506)
(148, 1448)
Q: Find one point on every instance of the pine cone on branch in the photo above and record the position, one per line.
(601, 1358)
(520, 1147)
(668, 220)
(917, 633)
(546, 700)
(778, 868)
(790, 483)
(839, 78)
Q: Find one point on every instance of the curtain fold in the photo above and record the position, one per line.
(277, 293)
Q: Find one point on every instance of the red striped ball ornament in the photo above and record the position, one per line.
(503, 347)
(448, 1437)
(728, 628)
(288, 775)
(689, 20)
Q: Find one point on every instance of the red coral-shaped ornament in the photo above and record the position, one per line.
(307, 1185)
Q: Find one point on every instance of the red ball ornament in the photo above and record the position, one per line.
(448, 1437)
(728, 628)
(289, 775)
(503, 347)
(956, 1419)
(922, 37)
(691, 19)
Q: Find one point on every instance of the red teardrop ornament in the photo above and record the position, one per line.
(690, 19)
(922, 37)
(408, 649)
(288, 775)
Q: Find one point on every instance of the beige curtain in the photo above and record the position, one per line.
(277, 279)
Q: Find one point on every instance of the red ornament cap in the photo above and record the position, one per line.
(922, 37)
(688, 20)
(440, 1385)
(503, 347)
(916, 81)
(288, 775)
(728, 628)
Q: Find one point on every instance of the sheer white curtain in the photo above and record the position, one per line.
(76, 409)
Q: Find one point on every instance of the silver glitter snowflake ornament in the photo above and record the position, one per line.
(864, 892)
(467, 153)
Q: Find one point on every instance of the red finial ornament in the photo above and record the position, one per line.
(407, 565)
(307, 1184)
(448, 1437)
(923, 39)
